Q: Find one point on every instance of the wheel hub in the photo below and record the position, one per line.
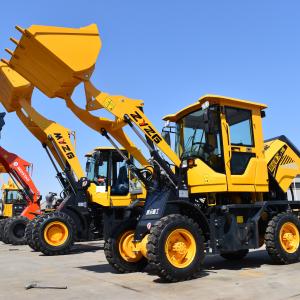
(180, 248)
(289, 237)
(127, 248)
(19, 230)
(56, 233)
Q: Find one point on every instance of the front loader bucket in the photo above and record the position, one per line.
(56, 59)
(12, 88)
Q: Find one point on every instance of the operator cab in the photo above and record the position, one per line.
(13, 202)
(107, 169)
(220, 141)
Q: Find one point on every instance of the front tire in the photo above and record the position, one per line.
(28, 234)
(14, 231)
(282, 238)
(118, 251)
(176, 248)
(54, 233)
(2, 224)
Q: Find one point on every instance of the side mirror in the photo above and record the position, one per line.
(166, 136)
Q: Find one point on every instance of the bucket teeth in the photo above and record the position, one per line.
(20, 29)
(15, 41)
(9, 51)
(5, 61)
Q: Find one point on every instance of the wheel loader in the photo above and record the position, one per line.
(12, 205)
(80, 215)
(222, 189)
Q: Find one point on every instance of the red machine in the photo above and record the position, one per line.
(18, 169)
(13, 224)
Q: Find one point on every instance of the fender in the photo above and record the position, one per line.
(79, 214)
(162, 203)
(189, 209)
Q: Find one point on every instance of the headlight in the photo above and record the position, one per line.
(84, 183)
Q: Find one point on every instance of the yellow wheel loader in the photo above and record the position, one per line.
(222, 189)
(80, 215)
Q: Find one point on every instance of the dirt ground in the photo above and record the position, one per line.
(87, 275)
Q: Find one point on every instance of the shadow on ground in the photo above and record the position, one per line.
(212, 264)
(253, 260)
(79, 248)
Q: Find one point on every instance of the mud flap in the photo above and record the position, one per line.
(154, 209)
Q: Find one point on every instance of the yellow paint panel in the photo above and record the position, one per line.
(8, 210)
(203, 179)
(283, 163)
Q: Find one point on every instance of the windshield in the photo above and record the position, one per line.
(108, 168)
(198, 135)
(13, 196)
(96, 170)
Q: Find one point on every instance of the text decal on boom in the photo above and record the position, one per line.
(146, 127)
(64, 145)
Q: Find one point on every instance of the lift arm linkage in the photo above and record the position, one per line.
(122, 107)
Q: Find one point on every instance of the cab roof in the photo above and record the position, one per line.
(214, 99)
(103, 148)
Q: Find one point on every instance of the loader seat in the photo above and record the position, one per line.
(121, 187)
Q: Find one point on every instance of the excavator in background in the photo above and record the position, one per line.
(20, 196)
(221, 190)
(80, 215)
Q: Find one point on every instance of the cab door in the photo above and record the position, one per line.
(245, 163)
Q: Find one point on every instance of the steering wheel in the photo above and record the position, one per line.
(205, 147)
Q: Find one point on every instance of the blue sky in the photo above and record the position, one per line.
(168, 53)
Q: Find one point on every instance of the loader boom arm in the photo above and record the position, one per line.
(17, 167)
(58, 70)
(125, 109)
(52, 135)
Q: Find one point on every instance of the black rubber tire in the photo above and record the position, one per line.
(2, 224)
(14, 230)
(28, 234)
(156, 248)
(272, 239)
(236, 255)
(38, 233)
(112, 254)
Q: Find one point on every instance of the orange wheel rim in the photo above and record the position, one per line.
(289, 237)
(126, 247)
(56, 233)
(180, 248)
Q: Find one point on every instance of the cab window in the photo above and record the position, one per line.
(240, 124)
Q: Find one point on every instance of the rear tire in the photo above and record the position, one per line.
(282, 238)
(120, 260)
(14, 231)
(28, 234)
(2, 224)
(176, 248)
(236, 255)
(54, 233)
